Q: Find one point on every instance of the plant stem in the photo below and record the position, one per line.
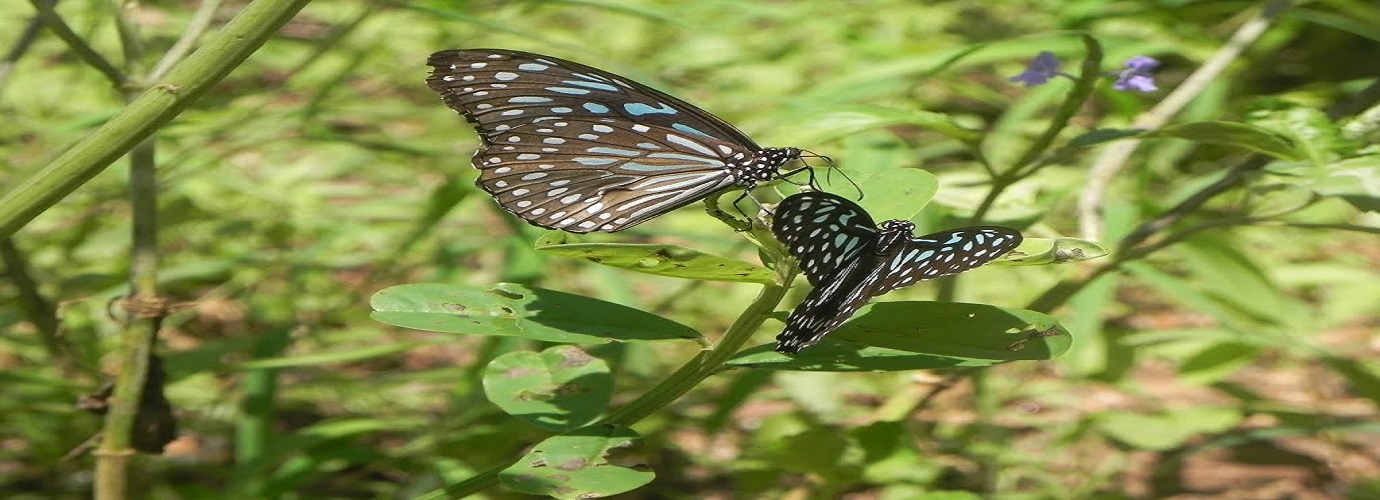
(155, 107)
(706, 363)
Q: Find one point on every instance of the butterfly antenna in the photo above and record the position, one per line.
(830, 171)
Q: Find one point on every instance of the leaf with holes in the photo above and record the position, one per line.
(558, 389)
(514, 310)
(895, 336)
(576, 465)
(1043, 251)
(662, 260)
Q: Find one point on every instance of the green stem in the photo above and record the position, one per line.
(1078, 96)
(706, 363)
(157, 106)
(59, 27)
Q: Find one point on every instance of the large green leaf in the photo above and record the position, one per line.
(662, 260)
(897, 193)
(576, 465)
(891, 336)
(558, 389)
(518, 311)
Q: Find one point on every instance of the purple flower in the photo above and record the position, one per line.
(1040, 70)
(1137, 75)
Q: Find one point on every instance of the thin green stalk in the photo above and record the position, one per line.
(158, 105)
(145, 309)
(21, 46)
(114, 453)
(196, 27)
(130, 41)
(1080, 93)
(707, 363)
(40, 312)
(59, 27)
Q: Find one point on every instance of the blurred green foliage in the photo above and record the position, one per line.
(1225, 347)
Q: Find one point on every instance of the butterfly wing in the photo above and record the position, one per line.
(564, 174)
(849, 262)
(823, 231)
(567, 146)
(946, 253)
(500, 89)
(830, 304)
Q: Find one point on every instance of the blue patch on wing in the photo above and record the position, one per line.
(639, 109)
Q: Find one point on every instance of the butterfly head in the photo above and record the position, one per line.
(766, 165)
(897, 226)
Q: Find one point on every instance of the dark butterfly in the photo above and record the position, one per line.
(570, 147)
(849, 259)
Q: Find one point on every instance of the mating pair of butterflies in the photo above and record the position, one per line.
(570, 147)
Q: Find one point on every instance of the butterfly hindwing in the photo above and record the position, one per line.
(823, 232)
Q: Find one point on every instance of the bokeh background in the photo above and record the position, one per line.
(1239, 362)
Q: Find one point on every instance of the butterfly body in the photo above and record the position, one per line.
(849, 261)
(568, 146)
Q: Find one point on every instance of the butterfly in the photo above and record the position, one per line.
(849, 259)
(567, 146)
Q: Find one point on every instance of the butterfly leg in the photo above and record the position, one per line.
(747, 219)
(711, 206)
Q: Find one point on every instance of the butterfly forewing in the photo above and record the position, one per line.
(498, 88)
(823, 233)
(946, 253)
(551, 125)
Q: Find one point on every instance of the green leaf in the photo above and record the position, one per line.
(1217, 361)
(333, 357)
(1317, 136)
(1042, 251)
(890, 456)
(897, 193)
(514, 310)
(558, 389)
(855, 119)
(1236, 134)
(892, 336)
(576, 465)
(662, 260)
(1166, 430)
(1099, 136)
(1363, 379)
(1355, 180)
